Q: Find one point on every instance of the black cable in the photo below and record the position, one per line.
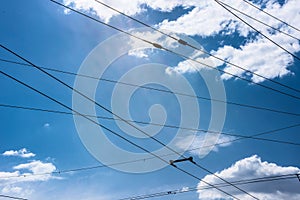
(154, 44)
(240, 137)
(262, 10)
(113, 132)
(180, 41)
(168, 50)
(11, 197)
(121, 163)
(104, 108)
(157, 89)
(259, 21)
(196, 188)
(222, 4)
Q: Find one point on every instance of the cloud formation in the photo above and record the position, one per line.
(249, 168)
(23, 153)
(18, 181)
(208, 19)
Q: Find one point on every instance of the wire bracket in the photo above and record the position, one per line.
(182, 160)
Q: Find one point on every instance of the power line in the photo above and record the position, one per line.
(158, 46)
(262, 10)
(154, 44)
(157, 89)
(223, 5)
(180, 41)
(122, 163)
(113, 132)
(11, 197)
(259, 21)
(196, 188)
(174, 127)
(122, 137)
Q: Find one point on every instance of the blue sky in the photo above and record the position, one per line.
(34, 142)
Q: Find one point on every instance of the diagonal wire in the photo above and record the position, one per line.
(113, 132)
(222, 4)
(157, 89)
(183, 42)
(259, 21)
(262, 10)
(196, 188)
(11, 197)
(104, 108)
(168, 50)
(239, 136)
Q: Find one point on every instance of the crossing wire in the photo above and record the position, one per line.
(154, 44)
(259, 21)
(113, 132)
(183, 42)
(223, 5)
(175, 127)
(196, 188)
(157, 89)
(158, 46)
(267, 13)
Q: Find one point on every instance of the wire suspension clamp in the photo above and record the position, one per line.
(182, 160)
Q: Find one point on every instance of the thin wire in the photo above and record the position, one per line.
(173, 127)
(196, 188)
(104, 108)
(156, 45)
(262, 10)
(259, 21)
(157, 89)
(183, 42)
(222, 4)
(11, 197)
(181, 55)
(127, 162)
(113, 132)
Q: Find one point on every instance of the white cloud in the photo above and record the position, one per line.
(249, 168)
(36, 167)
(257, 55)
(198, 143)
(24, 153)
(20, 181)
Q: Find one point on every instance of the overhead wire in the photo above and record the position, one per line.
(46, 72)
(197, 188)
(126, 162)
(106, 109)
(155, 45)
(156, 89)
(11, 197)
(223, 5)
(273, 16)
(239, 136)
(158, 46)
(183, 42)
(113, 132)
(259, 21)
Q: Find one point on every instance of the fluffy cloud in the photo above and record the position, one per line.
(15, 182)
(23, 153)
(249, 168)
(256, 55)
